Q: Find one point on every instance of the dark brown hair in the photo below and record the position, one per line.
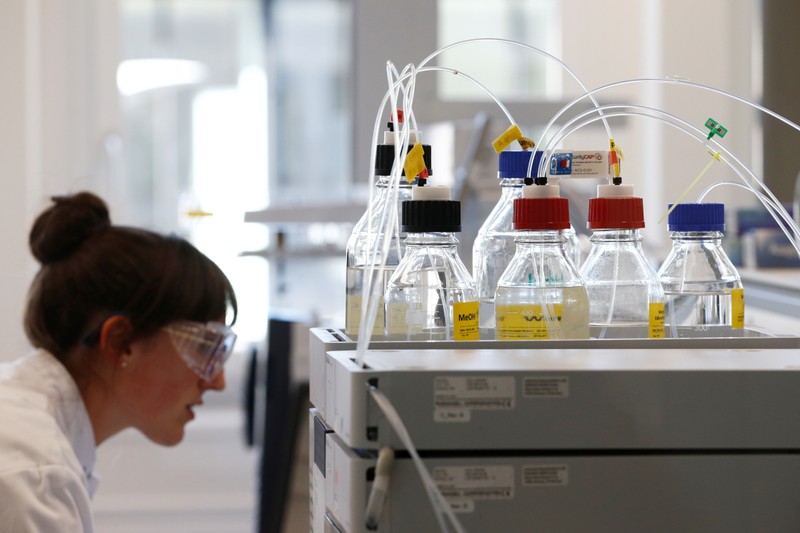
(92, 270)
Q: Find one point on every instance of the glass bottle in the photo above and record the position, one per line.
(541, 295)
(622, 284)
(431, 295)
(494, 245)
(363, 252)
(701, 286)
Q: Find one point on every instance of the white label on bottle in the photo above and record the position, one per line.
(545, 475)
(469, 483)
(454, 397)
(545, 387)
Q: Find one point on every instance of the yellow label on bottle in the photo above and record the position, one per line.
(353, 316)
(509, 136)
(655, 325)
(527, 321)
(415, 162)
(465, 321)
(737, 308)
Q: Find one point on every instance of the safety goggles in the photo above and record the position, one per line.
(204, 347)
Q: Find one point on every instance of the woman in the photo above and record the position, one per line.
(129, 330)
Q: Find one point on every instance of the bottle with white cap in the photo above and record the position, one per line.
(622, 284)
(363, 251)
(701, 285)
(541, 295)
(431, 295)
(494, 245)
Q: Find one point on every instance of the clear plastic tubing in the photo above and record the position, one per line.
(671, 81)
(587, 93)
(681, 125)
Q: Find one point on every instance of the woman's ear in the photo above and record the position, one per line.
(116, 335)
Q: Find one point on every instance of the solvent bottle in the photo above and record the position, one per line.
(363, 252)
(431, 295)
(494, 245)
(703, 290)
(624, 291)
(541, 295)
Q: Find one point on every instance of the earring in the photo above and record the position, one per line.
(124, 364)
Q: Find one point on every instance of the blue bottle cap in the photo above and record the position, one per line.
(697, 217)
(514, 163)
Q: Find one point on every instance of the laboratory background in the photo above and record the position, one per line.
(247, 127)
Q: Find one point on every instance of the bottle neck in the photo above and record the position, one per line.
(431, 239)
(714, 237)
(511, 183)
(616, 235)
(540, 237)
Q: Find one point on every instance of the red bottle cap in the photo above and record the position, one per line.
(616, 213)
(541, 213)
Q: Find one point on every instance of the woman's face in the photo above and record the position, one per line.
(161, 391)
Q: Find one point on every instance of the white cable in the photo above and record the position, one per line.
(441, 508)
(527, 47)
(699, 136)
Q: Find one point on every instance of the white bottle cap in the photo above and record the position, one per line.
(614, 191)
(430, 192)
(541, 191)
(388, 137)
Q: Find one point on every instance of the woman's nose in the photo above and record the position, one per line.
(215, 383)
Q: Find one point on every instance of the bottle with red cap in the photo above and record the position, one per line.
(622, 284)
(361, 254)
(431, 294)
(494, 245)
(702, 287)
(541, 295)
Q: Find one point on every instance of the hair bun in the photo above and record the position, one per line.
(63, 227)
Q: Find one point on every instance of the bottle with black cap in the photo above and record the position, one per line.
(362, 247)
(431, 295)
(702, 287)
(541, 295)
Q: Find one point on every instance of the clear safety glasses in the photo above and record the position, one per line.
(204, 347)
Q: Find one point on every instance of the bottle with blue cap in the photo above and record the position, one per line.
(431, 295)
(494, 245)
(703, 290)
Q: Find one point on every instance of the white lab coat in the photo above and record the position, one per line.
(47, 449)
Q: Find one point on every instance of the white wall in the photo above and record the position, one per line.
(58, 103)
(705, 42)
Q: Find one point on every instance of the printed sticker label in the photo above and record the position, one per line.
(466, 319)
(545, 387)
(545, 476)
(454, 397)
(528, 321)
(656, 322)
(737, 308)
(470, 483)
